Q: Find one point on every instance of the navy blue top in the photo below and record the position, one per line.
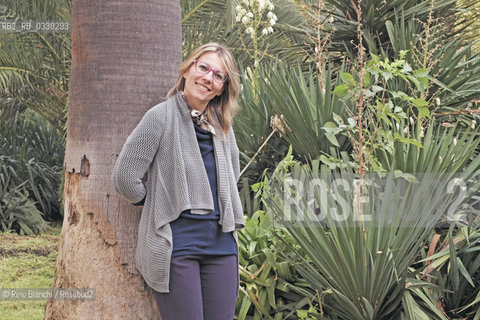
(202, 234)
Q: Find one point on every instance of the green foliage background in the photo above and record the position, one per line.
(309, 73)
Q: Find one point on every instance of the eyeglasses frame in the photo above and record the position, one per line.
(208, 71)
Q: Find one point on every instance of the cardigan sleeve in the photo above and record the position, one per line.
(235, 154)
(136, 156)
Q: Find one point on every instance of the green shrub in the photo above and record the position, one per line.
(32, 152)
(270, 288)
(17, 211)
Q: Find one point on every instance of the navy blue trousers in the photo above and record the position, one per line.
(201, 288)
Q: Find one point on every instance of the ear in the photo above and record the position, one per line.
(184, 75)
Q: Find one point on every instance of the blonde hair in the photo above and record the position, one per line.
(224, 106)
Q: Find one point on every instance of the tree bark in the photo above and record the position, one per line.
(125, 57)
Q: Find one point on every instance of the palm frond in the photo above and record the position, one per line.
(35, 66)
(214, 20)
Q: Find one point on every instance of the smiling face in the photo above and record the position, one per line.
(200, 88)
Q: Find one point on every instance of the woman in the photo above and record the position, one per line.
(182, 164)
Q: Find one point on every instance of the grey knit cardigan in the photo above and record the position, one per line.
(161, 162)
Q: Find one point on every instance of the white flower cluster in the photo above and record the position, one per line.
(251, 14)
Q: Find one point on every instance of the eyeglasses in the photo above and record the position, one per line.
(204, 68)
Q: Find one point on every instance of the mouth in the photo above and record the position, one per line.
(202, 87)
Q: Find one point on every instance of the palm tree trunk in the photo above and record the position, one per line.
(125, 57)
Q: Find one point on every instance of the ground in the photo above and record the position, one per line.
(27, 262)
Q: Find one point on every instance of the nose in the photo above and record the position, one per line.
(208, 75)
